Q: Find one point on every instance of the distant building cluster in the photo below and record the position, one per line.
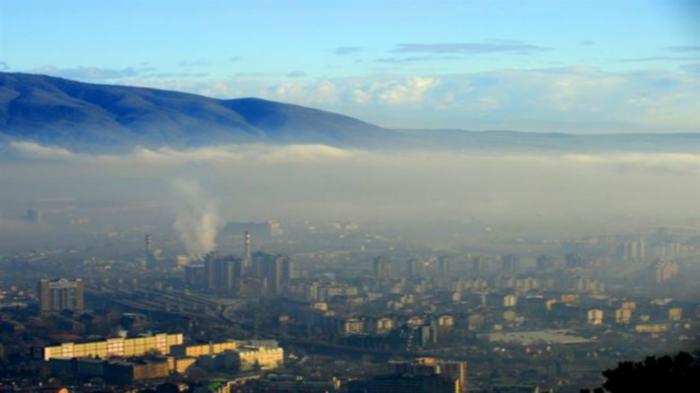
(253, 274)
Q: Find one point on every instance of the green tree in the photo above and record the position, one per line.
(678, 374)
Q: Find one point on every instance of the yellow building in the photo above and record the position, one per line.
(510, 301)
(265, 354)
(266, 358)
(384, 325)
(569, 298)
(629, 305)
(205, 349)
(446, 321)
(623, 315)
(651, 328)
(595, 316)
(353, 326)
(114, 347)
(675, 314)
(180, 365)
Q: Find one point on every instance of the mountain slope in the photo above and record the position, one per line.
(283, 122)
(82, 115)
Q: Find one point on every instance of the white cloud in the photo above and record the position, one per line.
(409, 92)
(262, 154)
(667, 162)
(220, 155)
(306, 153)
(36, 151)
(567, 99)
(361, 97)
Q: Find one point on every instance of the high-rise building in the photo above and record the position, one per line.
(510, 263)
(413, 267)
(664, 270)
(223, 273)
(61, 294)
(634, 250)
(149, 258)
(275, 271)
(480, 265)
(196, 276)
(574, 260)
(444, 265)
(381, 267)
(545, 262)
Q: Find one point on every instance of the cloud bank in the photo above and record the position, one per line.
(565, 99)
(317, 182)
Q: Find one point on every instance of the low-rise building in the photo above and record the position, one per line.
(114, 347)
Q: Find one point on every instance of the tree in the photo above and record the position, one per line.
(678, 374)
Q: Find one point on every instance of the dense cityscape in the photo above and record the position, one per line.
(336, 307)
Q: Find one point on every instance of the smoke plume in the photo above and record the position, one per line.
(197, 221)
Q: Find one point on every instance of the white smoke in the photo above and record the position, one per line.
(197, 221)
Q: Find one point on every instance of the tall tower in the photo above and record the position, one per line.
(246, 252)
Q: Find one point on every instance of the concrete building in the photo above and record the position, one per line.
(444, 265)
(114, 347)
(510, 301)
(405, 383)
(207, 349)
(664, 270)
(59, 295)
(384, 325)
(259, 356)
(149, 258)
(223, 273)
(117, 372)
(413, 267)
(250, 354)
(275, 271)
(595, 317)
(675, 314)
(381, 267)
(454, 370)
(623, 315)
(510, 263)
(634, 250)
(353, 326)
(545, 262)
(196, 276)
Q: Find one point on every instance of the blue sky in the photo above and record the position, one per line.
(567, 66)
